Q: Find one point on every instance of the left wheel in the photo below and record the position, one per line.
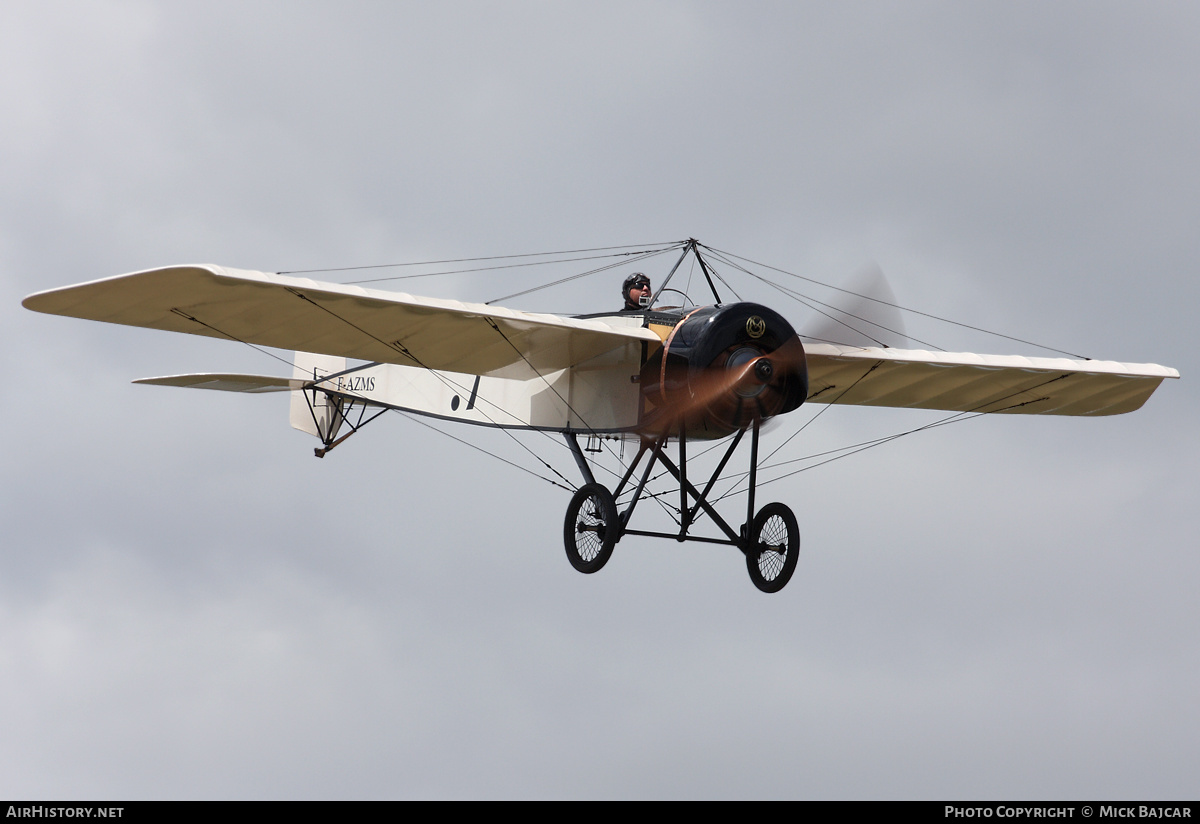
(590, 531)
(773, 548)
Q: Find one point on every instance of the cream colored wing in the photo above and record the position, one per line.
(965, 382)
(347, 321)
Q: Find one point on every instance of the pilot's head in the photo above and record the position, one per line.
(636, 291)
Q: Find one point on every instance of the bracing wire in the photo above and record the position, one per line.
(417, 419)
(901, 308)
(471, 259)
(813, 303)
(641, 256)
(854, 449)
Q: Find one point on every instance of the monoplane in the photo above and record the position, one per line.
(655, 376)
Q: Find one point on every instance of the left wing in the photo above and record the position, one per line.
(966, 382)
(346, 321)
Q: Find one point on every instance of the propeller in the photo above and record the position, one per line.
(866, 315)
(742, 384)
(724, 367)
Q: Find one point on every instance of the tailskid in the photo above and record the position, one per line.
(321, 410)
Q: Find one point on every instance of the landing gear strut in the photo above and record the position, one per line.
(770, 539)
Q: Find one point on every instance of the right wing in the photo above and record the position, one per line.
(965, 382)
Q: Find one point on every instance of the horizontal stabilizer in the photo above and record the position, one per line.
(965, 382)
(253, 384)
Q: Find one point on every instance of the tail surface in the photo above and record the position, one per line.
(314, 411)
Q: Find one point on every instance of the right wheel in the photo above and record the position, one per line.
(774, 547)
(590, 531)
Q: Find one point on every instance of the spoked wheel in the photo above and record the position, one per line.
(590, 531)
(774, 547)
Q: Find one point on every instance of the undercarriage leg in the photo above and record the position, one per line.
(580, 460)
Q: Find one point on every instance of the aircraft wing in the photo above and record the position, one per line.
(341, 320)
(964, 382)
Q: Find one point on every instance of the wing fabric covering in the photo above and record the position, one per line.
(963, 382)
(346, 321)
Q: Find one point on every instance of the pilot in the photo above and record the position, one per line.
(636, 291)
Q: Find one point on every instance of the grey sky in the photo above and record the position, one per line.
(191, 605)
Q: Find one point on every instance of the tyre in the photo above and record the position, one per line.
(773, 548)
(590, 531)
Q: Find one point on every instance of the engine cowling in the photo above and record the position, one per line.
(720, 369)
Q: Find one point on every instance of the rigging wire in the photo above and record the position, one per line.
(957, 417)
(416, 419)
(465, 260)
(852, 449)
(256, 347)
(639, 255)
(642, 256)
(902, 308)
(809, 301)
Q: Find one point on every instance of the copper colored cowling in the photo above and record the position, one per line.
(722, 368)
